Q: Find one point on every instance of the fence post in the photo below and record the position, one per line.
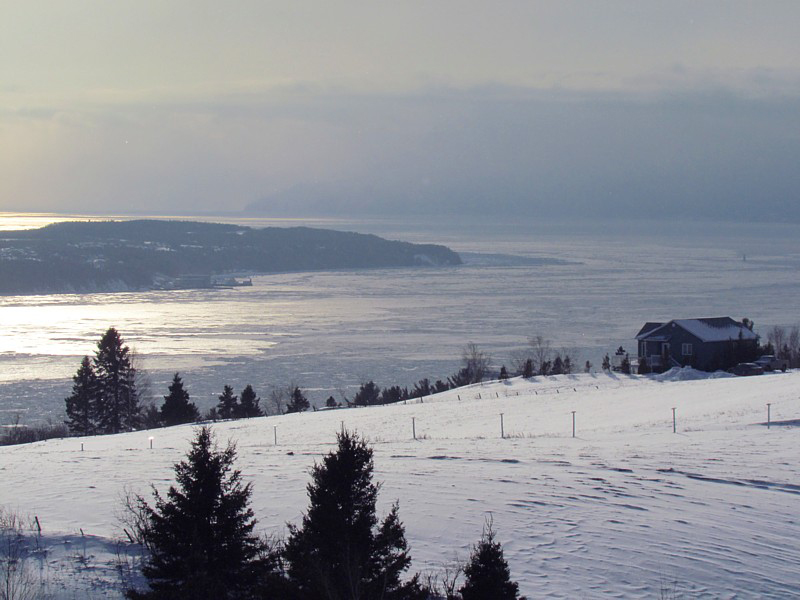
(151, 443)
(502, 430)
(573, 423)
(674, 423)
(768, 414)
(275, 434)
(414, 427)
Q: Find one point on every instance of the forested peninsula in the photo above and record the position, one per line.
(147, 254)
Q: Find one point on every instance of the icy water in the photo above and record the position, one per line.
(589, 288)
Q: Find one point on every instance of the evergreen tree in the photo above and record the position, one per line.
(393, 394)
(625, 365)
(527, 369)
(297, 401)
(567, 365)
(200, 537)
(367, 394)
(340, 551)
(503, 373)
(117, 402)
(606, 363)
(249, 404)
(558, 366)
(440, 386)
(176, 408)
(331, 402)
(81, 404)
(228, 406)
(487, 574)
(587, 368)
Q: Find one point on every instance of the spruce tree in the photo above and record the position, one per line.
(200, 537)
(176, 408)
(527, 369)
(228, 406)
(117, 402)
(249, 404)
(81, 404)
(340, 551)
(487, 574)
(503, 373)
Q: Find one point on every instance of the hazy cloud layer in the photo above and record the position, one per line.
(569, 108)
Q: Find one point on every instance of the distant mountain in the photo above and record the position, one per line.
(142, 254)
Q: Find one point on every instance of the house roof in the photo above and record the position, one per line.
(648, 327)
(714, 329)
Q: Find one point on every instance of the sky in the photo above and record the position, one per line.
(311, 108)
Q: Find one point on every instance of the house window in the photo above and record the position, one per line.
(686, 349)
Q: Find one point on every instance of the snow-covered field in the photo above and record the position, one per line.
(625, 509)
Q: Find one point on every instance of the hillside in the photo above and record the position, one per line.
(625, 509)
(133, 255)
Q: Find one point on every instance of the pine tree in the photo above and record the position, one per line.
(606, 366)
(527, 369)
(331, 402)
(249, 404)
(118, 402)
(200, 537)
(340, 551)
(176, 408)
(297, 401)
(558, 366)
(487, 574)
(228, 406)
(367, 394)
(81, 404)
(503, 373)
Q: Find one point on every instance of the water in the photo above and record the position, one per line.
(330, 331)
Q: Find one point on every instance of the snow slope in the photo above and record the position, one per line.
(625, 509)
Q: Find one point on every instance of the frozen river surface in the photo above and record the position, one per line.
(330, 331)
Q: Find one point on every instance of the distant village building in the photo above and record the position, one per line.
(705, 344)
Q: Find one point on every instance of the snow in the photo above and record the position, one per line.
(625, 509)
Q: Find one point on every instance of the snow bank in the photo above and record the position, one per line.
(621, 510)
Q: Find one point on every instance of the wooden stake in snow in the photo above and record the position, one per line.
(275, 433)
(81, 446)
(151, 442)
(573, 423)
(674, 425)
(413, 427)
(502, 431)
(768, 414)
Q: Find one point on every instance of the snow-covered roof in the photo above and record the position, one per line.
(715, 329)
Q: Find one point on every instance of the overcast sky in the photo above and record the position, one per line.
(299, 107)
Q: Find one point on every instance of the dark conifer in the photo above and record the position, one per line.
(297, 401)
(503, 373)
(558, 366)
(81, 404)
(331, 402)
(527, 369)
(367, 394)
(340, 551)
(487, 574)
(118, 402)
(200, 537)
(606, 366)
(228, 406)
(176, 408)
(249, 404)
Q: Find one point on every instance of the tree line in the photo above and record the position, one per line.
(107, 389)
(201, 543)
(107, 396)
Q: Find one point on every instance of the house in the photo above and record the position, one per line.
(705, 344)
